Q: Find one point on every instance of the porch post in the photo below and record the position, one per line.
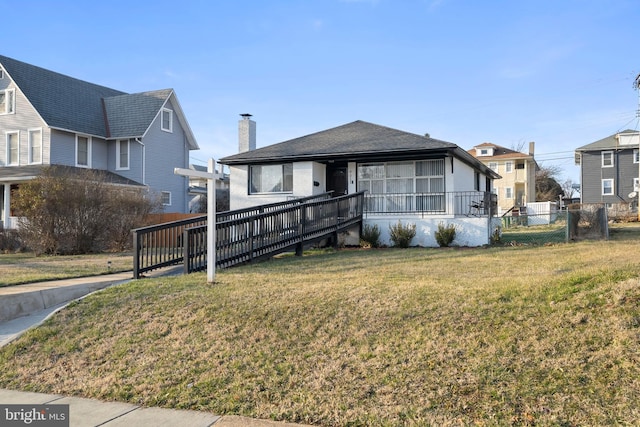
(6, 211)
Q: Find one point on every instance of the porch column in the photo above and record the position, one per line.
(6, 208)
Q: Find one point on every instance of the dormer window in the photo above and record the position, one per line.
(487, 151)
(1, 74)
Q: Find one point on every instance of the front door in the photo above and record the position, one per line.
(337, 179)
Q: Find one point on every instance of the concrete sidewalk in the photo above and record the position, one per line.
(24, 307)
(23, 300)
(93, 413)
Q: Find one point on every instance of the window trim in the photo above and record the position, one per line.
(636, 156)
(508, 167)
(495, 166)
(612, 186)
(119, 152)
(165, 193)
(88, 138)
(282, 176)
(508, 190)
(1, 74)
(8, 147)
(10, 101)
(602, 158)
(636, 184)
(30, 145)
(170, 112)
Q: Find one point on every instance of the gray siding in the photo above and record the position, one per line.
(98, 153)
(623, 173)
(25, 118)
(63, 148)
(164, 152)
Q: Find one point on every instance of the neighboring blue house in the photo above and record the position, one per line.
(47, 118)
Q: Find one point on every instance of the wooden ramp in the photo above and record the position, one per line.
(246, 235)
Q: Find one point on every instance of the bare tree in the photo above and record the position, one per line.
(547, 187)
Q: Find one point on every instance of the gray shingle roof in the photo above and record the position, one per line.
(131, 115)
(23, 173)
(62, 101)
(356, 141)
(352, 140)
(78, 106)
(605, 143)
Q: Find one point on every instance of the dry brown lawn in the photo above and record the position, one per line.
(546, 335)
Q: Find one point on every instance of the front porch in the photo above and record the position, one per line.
(471, 212)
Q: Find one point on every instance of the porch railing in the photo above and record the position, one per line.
(458, 203)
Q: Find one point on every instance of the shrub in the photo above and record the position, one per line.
(401, 235)
(496, 236)
(370, 236)
(10, 241)
(65, 211)
(445, 234)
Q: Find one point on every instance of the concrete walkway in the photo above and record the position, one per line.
(26, 306)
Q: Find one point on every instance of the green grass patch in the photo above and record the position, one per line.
(544, 335)
(21, 268)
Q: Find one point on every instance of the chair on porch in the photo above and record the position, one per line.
(476, 208)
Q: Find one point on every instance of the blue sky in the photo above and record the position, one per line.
(557, 72)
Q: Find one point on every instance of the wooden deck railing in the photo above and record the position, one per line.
(248, 234)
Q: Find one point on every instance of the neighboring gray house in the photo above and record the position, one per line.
(609, 169)
(47, 118)
(407, 177)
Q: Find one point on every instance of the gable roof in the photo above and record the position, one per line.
(499, 152)
(610, 142)
(74, 105)
(131, 114)
(355, 141)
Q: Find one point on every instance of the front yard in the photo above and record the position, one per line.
(20, 268)
(524, 335)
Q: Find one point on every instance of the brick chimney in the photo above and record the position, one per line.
(246, 133)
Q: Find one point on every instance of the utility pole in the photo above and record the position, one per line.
(636, 86)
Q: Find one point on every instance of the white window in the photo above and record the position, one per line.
(271, 178)
(13, 148)
(1, 74)
(493, 166)
(122, 154)
(607, 187)
(508, 167)
(7, 101)
(403, 186)
(508, 193)
(636, 157)
(484, 152)
(607, 159)
(83, 151)
(165, 196)
(35, 145)
(167, 120)
(636, 184)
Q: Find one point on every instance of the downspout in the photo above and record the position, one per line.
(144, 161)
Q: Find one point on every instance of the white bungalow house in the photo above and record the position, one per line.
(47, 118)
(407, 177)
